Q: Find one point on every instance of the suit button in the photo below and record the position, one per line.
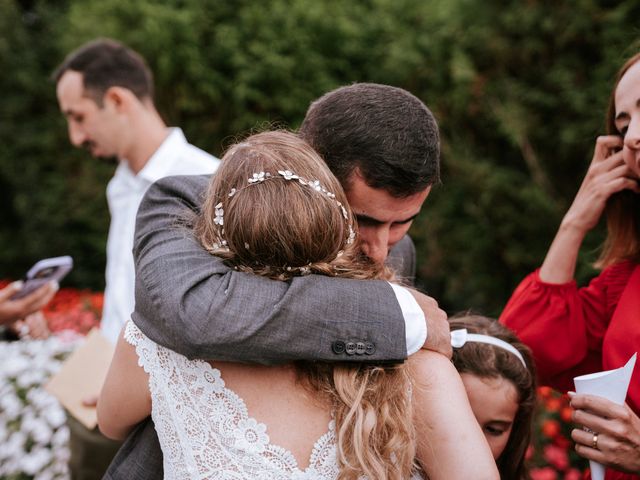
(338, 347)
(350, 348)
(360, 348)
(370, 348)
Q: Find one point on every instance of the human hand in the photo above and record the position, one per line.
(33, 326)
(438, 334)
(616, 433)
(607, 174)
(12, 310)
(90, 401)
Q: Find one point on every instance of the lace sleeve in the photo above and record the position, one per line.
(132, 334)
(146, 349)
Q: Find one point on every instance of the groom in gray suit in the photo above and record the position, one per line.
(383, 145)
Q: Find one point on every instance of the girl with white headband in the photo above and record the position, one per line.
(500, 379)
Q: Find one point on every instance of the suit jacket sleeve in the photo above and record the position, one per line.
(191, 302)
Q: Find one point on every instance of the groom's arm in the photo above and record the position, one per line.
(189, 301)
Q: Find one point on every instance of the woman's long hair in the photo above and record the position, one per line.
(489, 361)
(291, 219)
(623, 208)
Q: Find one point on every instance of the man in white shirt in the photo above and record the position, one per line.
(105, 90)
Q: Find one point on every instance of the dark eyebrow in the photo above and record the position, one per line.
(625, 115)
(622, 116)
(375, 221)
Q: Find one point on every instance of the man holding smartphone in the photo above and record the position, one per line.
(105, 91)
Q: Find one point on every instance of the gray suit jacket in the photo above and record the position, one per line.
(194, 304)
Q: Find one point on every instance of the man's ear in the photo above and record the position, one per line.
(120, 98)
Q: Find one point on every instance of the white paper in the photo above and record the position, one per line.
(610, 384)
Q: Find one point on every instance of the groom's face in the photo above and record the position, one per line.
(382, 218)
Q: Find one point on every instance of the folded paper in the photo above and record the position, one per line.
(610, 384)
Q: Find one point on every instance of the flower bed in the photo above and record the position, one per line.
(34, 436)
(33, 432)
(552, 454)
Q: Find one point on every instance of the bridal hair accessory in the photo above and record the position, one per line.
(288, 175)
(460, 337)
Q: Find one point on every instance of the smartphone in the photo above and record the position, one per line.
(42, 272)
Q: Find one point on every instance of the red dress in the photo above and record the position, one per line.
(573, 331)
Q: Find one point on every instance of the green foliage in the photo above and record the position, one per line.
(519, 89)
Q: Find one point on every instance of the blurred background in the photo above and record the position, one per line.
(519, 89)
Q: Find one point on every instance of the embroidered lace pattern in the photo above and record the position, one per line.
(204, 429)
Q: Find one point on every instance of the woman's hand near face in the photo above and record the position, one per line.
(607, 174)
(617, 428)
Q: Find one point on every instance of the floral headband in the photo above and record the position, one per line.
(460, 337)
(288, 175)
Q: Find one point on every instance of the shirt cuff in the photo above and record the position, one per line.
(414, 320)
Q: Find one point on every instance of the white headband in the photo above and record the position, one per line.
(460, 337)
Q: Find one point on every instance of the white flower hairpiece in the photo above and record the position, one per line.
(259, 177)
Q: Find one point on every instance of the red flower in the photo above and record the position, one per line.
(562, 442)
(546, 473)
(566, 414)
(573, 474)
(553, 404)
(551, 428)
(557, 457)
(545, 392)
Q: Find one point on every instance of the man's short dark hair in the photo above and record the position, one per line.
(106, 63)
(384, 132)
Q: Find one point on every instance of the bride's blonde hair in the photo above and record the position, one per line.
(274, 208)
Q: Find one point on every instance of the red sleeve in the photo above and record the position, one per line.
(563, 325)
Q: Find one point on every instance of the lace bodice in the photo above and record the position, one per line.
(204, 428)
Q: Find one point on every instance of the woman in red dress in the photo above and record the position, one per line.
(573, 331)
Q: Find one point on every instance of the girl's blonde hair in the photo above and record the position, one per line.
(297, 221)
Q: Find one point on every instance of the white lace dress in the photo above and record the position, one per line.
(204, 429)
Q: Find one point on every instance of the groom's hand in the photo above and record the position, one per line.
(438, 334)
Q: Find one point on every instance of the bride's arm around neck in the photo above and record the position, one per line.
(450, 444)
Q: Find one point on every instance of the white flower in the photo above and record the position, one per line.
(35, 461)
(257, 177)
(352, 236)
(55, 417)
(31, 377)
(219, 218)
(14, 365)
(10, 405)
(33, 435)
(251, 435)
(41, 432)
(60, 438)
(288, 174)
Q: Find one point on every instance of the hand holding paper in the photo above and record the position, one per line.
(613, 436)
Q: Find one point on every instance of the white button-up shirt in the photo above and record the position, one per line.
(124, 194)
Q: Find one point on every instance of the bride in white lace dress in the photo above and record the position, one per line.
(275, 209)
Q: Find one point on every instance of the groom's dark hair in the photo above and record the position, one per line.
(385, 133)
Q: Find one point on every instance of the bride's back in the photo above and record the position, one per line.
(295, 416)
